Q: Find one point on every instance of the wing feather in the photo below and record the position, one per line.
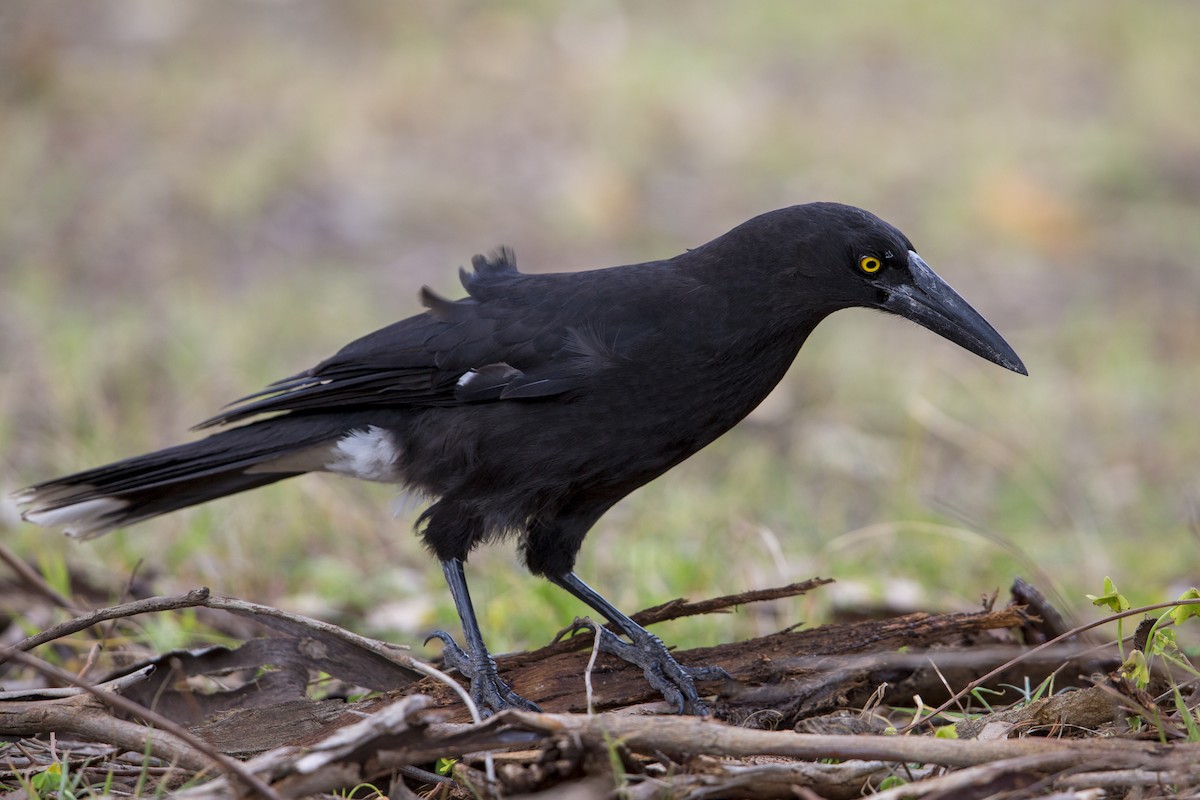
(511, 338)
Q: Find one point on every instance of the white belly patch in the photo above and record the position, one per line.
(369, 455)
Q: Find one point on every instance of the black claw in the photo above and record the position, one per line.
(579, 624)
(488, 690)
(445, 638)
(709, 673)
(675, 682)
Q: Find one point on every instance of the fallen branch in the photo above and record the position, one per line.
(330, 636)
(799, 672)
(86, 717)
(351, 754)
(679, 737)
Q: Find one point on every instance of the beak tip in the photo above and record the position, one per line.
(1006, 358)
(930, 302)
(1012, 361)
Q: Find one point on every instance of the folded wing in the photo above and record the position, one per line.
(509, 339)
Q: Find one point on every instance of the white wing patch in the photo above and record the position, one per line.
(82, 520)
(369, 455)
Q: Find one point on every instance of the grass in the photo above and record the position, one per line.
(177, 230)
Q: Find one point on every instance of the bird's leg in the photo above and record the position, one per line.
(488, 690)
(676, 682)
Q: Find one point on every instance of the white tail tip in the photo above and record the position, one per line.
(80, 520)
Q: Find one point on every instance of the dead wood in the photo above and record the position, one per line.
(712, 758)
(255, 699)
(794, 673)
(345, 756)
(681, 737)
(381, 665)
(120, 684)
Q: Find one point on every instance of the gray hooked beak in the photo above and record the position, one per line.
(930, 302)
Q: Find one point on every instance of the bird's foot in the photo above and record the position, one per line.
(488, 690)
(673, 680)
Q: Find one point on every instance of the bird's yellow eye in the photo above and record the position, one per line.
(869, 264)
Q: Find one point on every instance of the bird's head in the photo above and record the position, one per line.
(853, 258)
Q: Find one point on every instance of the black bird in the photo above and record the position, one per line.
(531, 406)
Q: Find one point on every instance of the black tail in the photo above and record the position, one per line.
(96, 501)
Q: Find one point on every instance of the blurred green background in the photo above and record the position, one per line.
(198, 198)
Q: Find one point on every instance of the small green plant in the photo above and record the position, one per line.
(1187, 715)
(1136, 670)
(1032, 695)
(1161, 643)
(53, 567)
(51, 779)
(57, 780)
(1115, 602)
(980, 694)
(353, 792)
(614, 761)
(1186, 609)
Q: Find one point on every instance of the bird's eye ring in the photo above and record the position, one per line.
(869, 264)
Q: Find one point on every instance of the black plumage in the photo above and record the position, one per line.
(531, 406)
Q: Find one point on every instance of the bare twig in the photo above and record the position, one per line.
(118, 684)
(195, 597)
(679, 608)
(587, 673)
